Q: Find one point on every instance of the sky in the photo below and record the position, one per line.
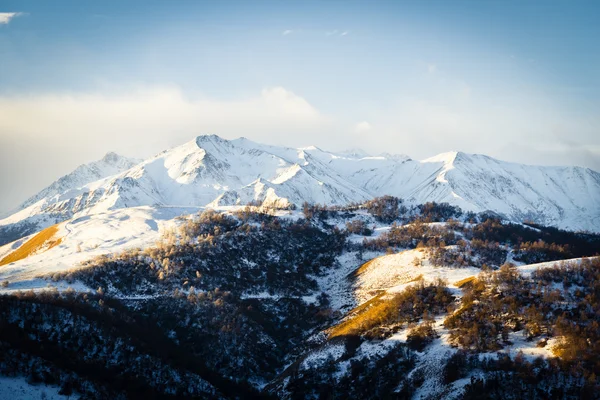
(516, 80)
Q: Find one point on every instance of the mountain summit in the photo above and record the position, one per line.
(212, 171)
(110, 164)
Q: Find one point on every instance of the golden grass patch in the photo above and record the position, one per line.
(464, 282)
(363, 267)
(416, 278)
(367, 303)
(367, 315)
(43, 238)
(370, 313)
(386, 312)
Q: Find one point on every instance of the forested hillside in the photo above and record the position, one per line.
(372, 300)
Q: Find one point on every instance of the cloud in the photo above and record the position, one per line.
(524, 130)
(287, 32)
(6, 17)
(151, 111)
(362, 127)
(431, 68)
(335, 32)
(44, 136)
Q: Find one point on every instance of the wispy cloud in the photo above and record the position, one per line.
(431, 68)
(335, 32)
(287, 32)
(6, 17)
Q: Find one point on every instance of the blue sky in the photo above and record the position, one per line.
(517, 80)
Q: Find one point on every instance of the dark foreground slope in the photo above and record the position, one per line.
(235, 306)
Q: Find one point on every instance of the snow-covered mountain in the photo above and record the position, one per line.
(213, 171)
(33, 214)
(567, 197)
(110, 164)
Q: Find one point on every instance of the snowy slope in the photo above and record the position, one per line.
(213, 171)
(567, 197)
(393, 272)
(86, 237)
(20, 388)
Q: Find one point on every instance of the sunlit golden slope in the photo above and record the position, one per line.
(42, 239)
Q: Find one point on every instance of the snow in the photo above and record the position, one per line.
(394, 272)
(429, 363)
(336, 282)
(7, 249)
(260, 295)
(19, 388)
(213, 171)
(86, 237)
(529, 349)
(316, 358)
(527, 270)
(39, 284)
(109, 165)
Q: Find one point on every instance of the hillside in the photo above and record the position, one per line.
(381, 300)
(231, 269)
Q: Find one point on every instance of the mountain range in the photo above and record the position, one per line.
(212, 171)
(141, 278)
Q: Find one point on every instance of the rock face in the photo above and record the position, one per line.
(211, 171)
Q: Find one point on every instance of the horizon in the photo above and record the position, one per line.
(515, 82)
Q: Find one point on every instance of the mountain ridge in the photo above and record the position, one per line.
(108, 165)
(210, 170)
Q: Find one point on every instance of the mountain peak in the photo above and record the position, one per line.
(309, 148)
(447, 158)
(210, 138)
(111, 157)
(111, 164)
(355, 153)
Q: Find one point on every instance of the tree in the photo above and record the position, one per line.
(308, 211)
(385, 208)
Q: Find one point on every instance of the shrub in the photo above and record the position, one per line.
(419, 336)
(385, 208)
(358, 227)
(438, 212)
